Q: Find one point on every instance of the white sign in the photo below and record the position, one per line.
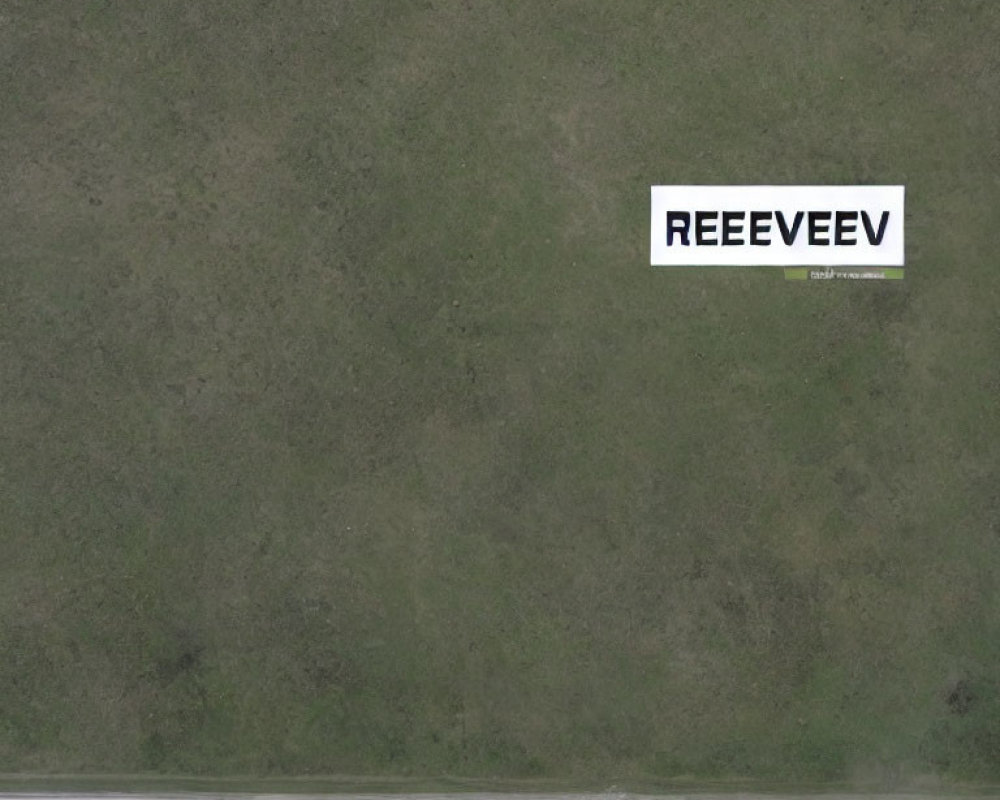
(858, 226)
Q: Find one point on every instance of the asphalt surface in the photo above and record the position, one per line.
(480, 796)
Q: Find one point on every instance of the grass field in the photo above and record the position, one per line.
(347, 430)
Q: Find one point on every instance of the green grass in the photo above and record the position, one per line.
(346, 429)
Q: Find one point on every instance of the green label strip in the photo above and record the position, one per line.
(823, 273)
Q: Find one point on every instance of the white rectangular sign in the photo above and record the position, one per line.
(858, 226)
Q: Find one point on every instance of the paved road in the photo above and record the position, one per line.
(481, 796)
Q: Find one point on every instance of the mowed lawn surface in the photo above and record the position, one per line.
(344, 427)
